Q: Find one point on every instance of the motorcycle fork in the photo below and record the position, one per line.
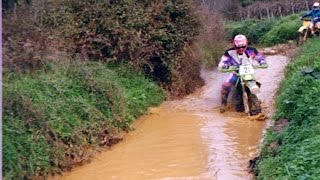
(305, 36)
(245, 98)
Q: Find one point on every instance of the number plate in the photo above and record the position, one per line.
(244, 70)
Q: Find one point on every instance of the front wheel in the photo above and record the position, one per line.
(301, 38)
(254, 104)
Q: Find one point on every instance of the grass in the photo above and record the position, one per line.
(297, 154)
(50, 117)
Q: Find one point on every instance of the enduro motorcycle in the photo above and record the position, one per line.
(306, 29)
(317, 29)
(247, 85)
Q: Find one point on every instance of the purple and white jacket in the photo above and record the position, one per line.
(231, 58)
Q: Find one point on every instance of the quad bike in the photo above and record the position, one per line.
(305, 31)
(247, 85)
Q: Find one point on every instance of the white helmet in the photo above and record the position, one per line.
(316, 5)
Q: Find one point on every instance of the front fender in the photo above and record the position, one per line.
(253, 86)
(302, 28)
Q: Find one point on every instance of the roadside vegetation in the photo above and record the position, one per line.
(291, 147)
(78, 73)
(257, 9)
(155, 38)
(51, 117)
(267, 32)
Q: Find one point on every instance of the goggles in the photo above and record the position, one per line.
(241, 47)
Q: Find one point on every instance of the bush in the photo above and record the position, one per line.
(156, 37)
(267, 32)
(296, 155)
(285, 29)
(252, 29)
(51, 119)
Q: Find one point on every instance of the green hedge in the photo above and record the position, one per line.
(51, 117)
(285, 29)
(267, 32)
(154, 36)
(297, 151)
(252, 29)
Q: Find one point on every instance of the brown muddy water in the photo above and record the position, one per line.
(189, 138)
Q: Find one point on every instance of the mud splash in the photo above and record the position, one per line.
(189, 138)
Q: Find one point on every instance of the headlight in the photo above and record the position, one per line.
(248, 77)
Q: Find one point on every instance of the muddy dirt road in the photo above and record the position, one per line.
(189, 138)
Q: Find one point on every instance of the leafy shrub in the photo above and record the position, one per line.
(154, 36)
(252, 29)
(51, 118)
(297, 155)
(27, 43)
(239, 27)
(23, 47)
(267, 32)
(284, 30)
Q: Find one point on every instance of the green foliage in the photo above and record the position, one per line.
(252, 29)
(284, 30)
(153, 36)
(50, 117)
(267, 32)
(298, 156)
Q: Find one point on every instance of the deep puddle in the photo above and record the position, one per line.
(189, 138)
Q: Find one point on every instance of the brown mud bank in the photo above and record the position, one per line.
(189, 138)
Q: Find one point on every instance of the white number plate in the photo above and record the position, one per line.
(244, 70)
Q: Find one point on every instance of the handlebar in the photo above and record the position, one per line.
(303, 19)
(235, 68)
(230, 69)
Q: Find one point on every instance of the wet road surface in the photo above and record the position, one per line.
(189, 138)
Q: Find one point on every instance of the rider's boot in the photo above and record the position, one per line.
(223, 106)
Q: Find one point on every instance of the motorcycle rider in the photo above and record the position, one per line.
(315, 13)
(233, 57)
